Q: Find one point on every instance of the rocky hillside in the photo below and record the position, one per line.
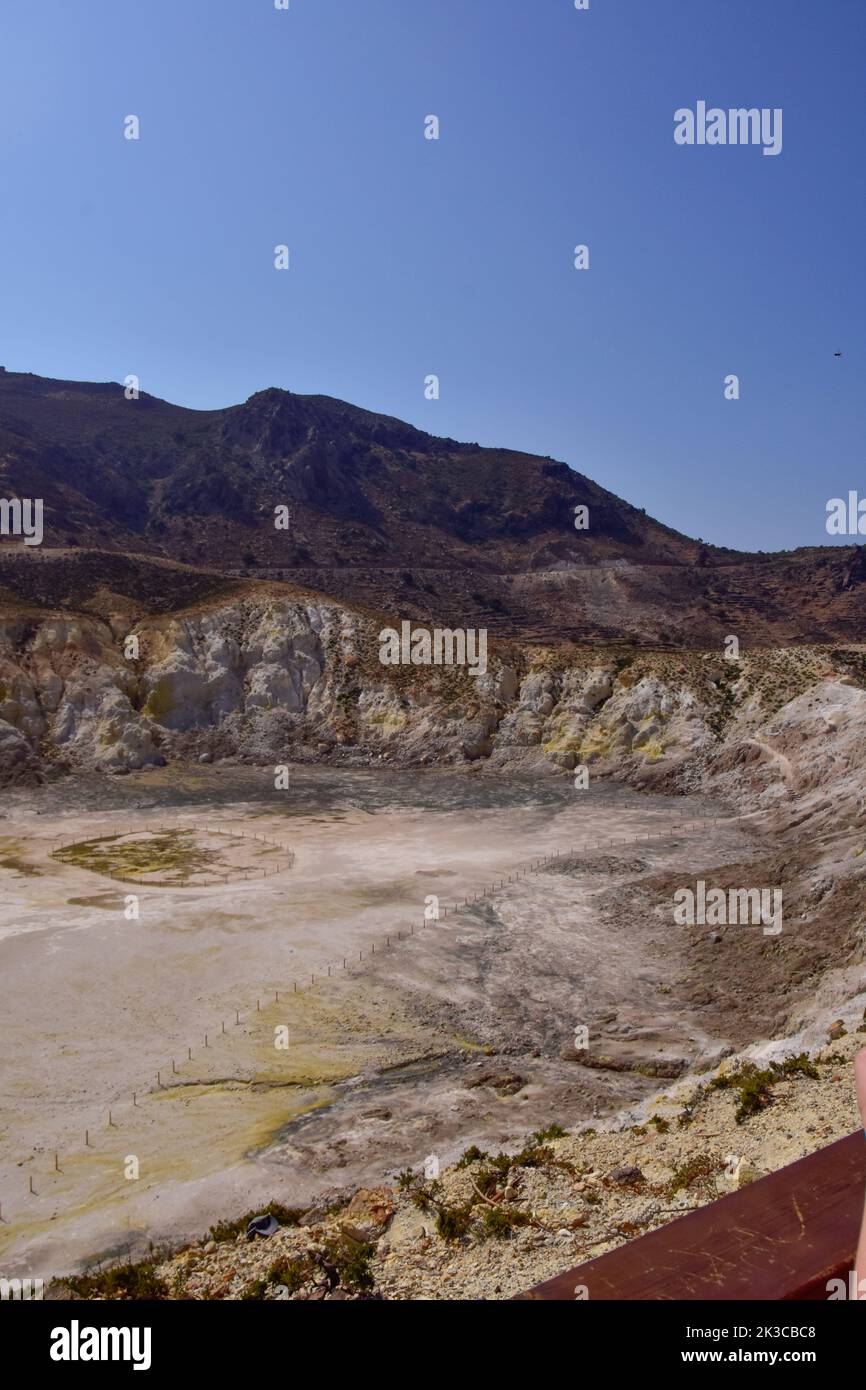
(382, 513)
(266, 674)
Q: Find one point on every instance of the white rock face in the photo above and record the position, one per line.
(274, 678)
(18, 761)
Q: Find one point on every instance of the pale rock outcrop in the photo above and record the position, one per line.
(276, 678)
(18, 760)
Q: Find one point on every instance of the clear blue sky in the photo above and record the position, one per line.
(454, 257)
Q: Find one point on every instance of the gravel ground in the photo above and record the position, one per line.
(566, 1199)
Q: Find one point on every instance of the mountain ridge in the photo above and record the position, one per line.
(385, 514)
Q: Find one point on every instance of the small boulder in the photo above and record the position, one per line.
(745, 1172)
(626, 1177)
(262, 1226)
(368, 1213)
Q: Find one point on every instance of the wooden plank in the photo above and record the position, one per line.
(781, 1237)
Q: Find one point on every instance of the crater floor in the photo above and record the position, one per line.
(286, 1035)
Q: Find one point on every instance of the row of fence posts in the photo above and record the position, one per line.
(532, 866)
